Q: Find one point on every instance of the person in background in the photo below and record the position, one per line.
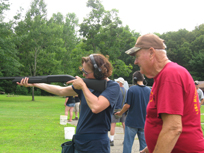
(173, 116)
(120, 102)
(136, 103)
(76, 107)
(200, 93)
(69, 107)
(96, 107)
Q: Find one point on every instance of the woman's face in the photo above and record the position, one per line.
(87, 72)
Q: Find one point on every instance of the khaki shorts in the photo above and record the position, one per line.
(115, 120)
(76, 107)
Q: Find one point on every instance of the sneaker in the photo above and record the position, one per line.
(111, 143)
(76, 118)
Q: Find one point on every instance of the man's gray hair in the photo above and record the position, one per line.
(163, 50)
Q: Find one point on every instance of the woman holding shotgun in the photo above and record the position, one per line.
(96, 108)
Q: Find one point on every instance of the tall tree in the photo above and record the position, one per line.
(177, 43)
(9, 61)
(70, 42)
(76, 55)
(91, 25)
(39, 47)
(67, 32)
(103, 33)
(197, 69)
(8, 54)
(197, 58)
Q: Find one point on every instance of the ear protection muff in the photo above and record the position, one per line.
(135, 80)
(97, 71)
(145, 82)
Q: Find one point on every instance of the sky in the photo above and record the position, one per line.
(143, 16)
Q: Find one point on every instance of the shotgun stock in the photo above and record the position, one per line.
(98, 85)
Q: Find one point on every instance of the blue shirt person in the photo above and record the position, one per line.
(136, 103)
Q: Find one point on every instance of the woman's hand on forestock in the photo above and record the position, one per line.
(24, 82)
(78, 83)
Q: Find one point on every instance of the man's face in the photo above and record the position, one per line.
(119, 83)
(142, 59)
(197, 86)
(87, 72)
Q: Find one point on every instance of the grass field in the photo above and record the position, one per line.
(31, 127)
(34, 126)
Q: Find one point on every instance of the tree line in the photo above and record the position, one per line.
(32, 45)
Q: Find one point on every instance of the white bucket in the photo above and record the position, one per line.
(63, 119)
(69, 132)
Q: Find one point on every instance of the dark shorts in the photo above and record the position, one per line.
(115, 120)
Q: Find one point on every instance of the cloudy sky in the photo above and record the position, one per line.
(144, 16)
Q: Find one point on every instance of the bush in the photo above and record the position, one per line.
(37, 92)
(21, 90)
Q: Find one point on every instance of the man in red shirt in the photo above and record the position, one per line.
(173, 116)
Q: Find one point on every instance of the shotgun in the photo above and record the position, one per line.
(98, 85)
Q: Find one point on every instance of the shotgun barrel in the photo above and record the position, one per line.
(98, 85)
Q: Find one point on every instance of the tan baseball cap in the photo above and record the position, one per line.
(196, 82)
(145, 42)
(120, 79)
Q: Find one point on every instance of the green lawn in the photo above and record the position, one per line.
(31, 127)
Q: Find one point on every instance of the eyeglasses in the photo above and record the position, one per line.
(86, 73)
